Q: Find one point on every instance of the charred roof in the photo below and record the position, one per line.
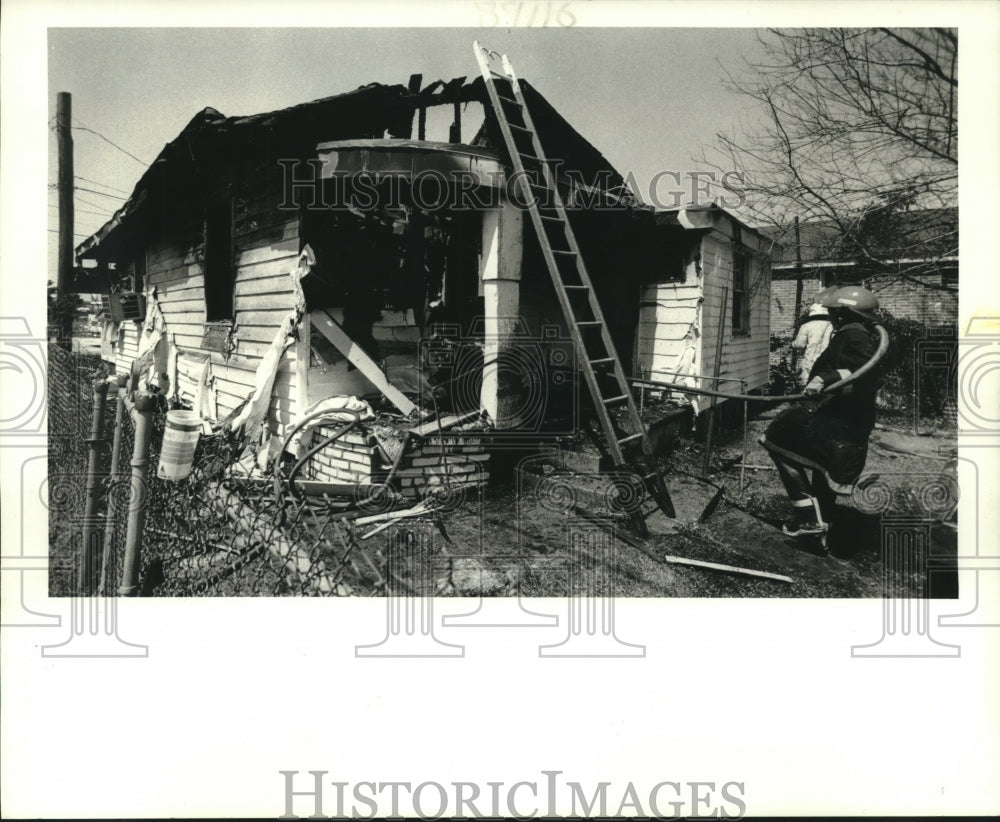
(213, 145)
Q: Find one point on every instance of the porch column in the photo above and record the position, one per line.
(500, 272)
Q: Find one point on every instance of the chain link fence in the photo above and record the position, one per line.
(219, 531)
(70, 407)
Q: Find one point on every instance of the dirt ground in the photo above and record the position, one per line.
(508, 541)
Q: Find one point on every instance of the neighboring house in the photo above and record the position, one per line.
(721, 272)
(87, 322)
(252, 249)
(925, 249)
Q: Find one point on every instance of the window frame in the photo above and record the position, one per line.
(739, 314)
(219, 261)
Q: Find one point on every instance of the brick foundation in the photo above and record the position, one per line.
(456, 460)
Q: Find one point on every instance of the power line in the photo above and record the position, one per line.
(82, 226)
(82, 211)
(87, 202)
(56, 231)
(109, 142)
(104, 213)
(103, 185)
(95, 191)
(91, 191)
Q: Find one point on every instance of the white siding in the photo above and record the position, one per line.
(743, 355)
(266, 252)
(669, 324)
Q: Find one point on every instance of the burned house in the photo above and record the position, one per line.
(707, 322)
(372, 245)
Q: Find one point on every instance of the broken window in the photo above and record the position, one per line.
(219, 267)
(741, 293)
(139, 272)
(394, 280)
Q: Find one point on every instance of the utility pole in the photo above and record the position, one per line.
(64, 281)
(798, 272)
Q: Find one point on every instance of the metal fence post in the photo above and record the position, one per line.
(145, 402)
(746, 426)
(90, 550)
(111, 526)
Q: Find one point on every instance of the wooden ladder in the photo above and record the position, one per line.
(602, 370)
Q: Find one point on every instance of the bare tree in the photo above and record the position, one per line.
(856, 129)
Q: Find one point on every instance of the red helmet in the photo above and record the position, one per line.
(854, 298)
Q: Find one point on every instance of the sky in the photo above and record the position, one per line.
(649, 99)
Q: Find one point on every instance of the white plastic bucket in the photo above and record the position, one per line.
(180, 437)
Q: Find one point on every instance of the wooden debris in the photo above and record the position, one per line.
(442, 424)
(635, 543)
(317, 488)
(728, 569)
(754, 467)
(356, 355)
(397, 461)
(415, 511)
(713, 503)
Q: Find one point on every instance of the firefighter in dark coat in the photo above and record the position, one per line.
(828, 436)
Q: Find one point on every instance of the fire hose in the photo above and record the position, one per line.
(883, 346)
(289, 483)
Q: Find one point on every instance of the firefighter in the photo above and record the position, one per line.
(812, 339)
(828, 436)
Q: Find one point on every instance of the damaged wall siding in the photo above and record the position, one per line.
(743, 356)
(669, 325)
(265, 243)
(126, 347)
(678, 322)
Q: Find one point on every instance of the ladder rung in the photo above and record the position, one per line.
(546, 196)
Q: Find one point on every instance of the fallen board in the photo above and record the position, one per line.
(442, 424)
(729, 569)
(356, 355)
